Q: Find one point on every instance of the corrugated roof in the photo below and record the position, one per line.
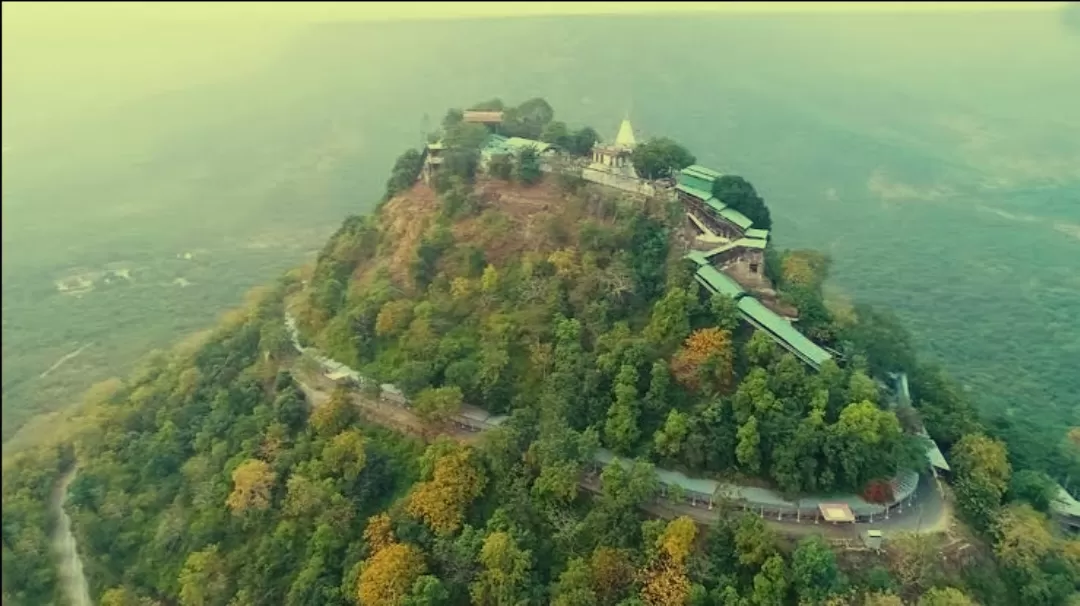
(736, 217)
(700, 194)
(703, 170)
(518, 144)
(695, 181)
(698, 257)
(836, 512)
(750, 243)
(761, 234)
(716, 205)
(783, 332)
(718, 282)
(484, 117)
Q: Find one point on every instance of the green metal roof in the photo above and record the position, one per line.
(718, 282)
(782, 332)
(693, 191)
(750, 243)
(708, 172)
(695, 181)
(716, 204)
(761, 234)
(698, 257)
(519, 144)
(736, 217)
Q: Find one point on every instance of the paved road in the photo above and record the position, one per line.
(928, 513)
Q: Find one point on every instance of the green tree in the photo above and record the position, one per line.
(582, 141)
(660, 157)
(621, 429)
(528, 119)
(982, 469)
(575, 586)
(528, 166)
(204, 579)
(669, 439)
(438, 404)
(557, 134)
(506, 568)
(814, 572)
(739, 194)
(404, 173)
(748, 450)
(501, 166)
(770, 585)
(945, 596)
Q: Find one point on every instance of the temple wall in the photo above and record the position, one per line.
(621, 182)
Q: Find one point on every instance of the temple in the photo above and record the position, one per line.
(612, 163)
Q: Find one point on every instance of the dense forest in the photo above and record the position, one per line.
(210, 478)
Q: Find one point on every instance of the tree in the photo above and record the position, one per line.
(393, 318)
(669, 323)
(770, 585)
(982, 469)
(705, 361)
(528, 166)
(664, 581)
(466, 136)
(441, 501)
(387, 577)
(621, 429)
(403, 175)
(557, 134)
(582, 141)
(612, 574)
(739, 194)
(814, 572)
(453, 117)
(575, 586)
(506, 568)
(528, 119)
(754, 542)
(346, 454)
(1035, 487)
(669, 439)
(203, 579)
(945, 596)
(1022, 539)
(725, 312)
(501, 166)
(748, 450)
(304, 497)
(882, 599)
(252, 482)
(438, 404)
(659, 157)
(335, 415)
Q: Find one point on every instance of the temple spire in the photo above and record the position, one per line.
(625, 138)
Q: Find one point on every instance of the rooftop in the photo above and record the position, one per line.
(717, 282)
(700, 194)
(736, 217)
(1065, 504)
(708, 172)
(625, 138)
(785, 333)
(836, 512)
(760, 234)
(482, 116)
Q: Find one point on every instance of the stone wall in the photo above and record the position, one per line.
(620, 182)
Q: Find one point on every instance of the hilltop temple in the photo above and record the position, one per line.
(612, 164)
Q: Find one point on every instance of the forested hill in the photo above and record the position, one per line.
(209, 478)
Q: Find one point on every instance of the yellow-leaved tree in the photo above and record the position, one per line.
(388, 575)
(441, 501)
(704, 362)
(252, 482)
(664, 581)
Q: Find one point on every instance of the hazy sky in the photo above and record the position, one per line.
(75, 13)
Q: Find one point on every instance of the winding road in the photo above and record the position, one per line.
(925, 511)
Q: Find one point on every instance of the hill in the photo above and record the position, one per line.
(588, 317)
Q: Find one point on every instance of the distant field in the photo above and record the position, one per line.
(938, 176)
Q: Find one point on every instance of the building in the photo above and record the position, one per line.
(1065, 510)
(498, 145)
(433, 160)
(612, 164)
(476, 116)
(616, 157)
